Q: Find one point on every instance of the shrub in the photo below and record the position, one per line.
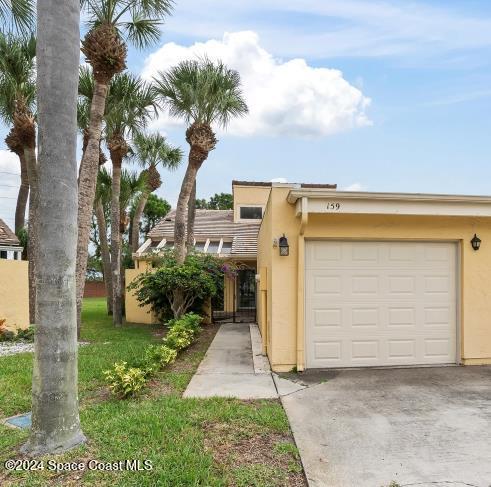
(27, 334)
(5, 334)
(158, 356)
(125, 381)
(182, 332)
(178, 287)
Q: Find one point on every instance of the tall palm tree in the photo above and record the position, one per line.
(112, 24)
(17, 99)
(55, 415)
(101, 209)
(203, 93)
(130, 104)
(17, 94)
(150, 151)
(17, 15)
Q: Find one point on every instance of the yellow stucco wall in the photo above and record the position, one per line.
(14, 293)
(285, 274)
(249, 195)
(134, 312)
(265, 242)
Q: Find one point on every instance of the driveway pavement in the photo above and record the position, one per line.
(366, 428)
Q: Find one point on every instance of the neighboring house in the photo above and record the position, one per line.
(357, 279)
(14, 287)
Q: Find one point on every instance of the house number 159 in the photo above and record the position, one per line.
(333, 206)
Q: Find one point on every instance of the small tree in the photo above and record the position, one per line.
(196, 280)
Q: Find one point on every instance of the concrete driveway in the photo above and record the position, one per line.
(366, 428)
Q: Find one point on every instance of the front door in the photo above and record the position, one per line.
(246, 289)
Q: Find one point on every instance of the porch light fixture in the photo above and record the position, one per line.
(476, 242)
(284, 247)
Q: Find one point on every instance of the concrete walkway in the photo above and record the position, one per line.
(234, 367)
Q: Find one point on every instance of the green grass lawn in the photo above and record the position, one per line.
(190, 442)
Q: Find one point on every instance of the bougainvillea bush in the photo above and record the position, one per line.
(177, 288)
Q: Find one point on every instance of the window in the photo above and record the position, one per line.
(213, 246)
(3, 254)
(251, 213)
(226, 248)
(200, 246)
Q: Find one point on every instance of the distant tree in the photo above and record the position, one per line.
(219, 201)
(201, 204)
(155, 209)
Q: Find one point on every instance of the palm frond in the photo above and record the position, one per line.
(17, 68)
(17, 15)
(131, 103)
(202, 91)
(137, 21)
(153, 149)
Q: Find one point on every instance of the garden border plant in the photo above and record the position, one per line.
(128, 380)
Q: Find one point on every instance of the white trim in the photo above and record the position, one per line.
(161, 244)
(144, 246)
(345, 202)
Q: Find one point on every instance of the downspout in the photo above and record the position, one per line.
(304, 218)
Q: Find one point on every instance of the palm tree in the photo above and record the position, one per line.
(130, 104)
(17, 99)
(203, 93)
(17, 94)
(150, 151)
(55, 415)
(101, 209)
(112, 24)
(17, 14)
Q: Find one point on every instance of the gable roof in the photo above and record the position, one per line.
(7, 236)
(215, 225)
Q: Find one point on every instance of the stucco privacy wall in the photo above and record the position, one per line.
(134, 312)
(14, 293)
(286, 295)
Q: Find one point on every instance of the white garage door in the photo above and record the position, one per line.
(380, 303)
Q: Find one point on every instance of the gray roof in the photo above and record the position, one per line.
(214, 224)
(7, 236)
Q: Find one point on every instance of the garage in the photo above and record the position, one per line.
(380, 303)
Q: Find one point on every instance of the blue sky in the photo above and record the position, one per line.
(410, 112)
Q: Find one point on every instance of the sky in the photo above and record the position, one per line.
(372, 95)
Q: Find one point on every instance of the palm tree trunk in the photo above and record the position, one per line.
(20, 209)
(191, 218)
(55, 416)
(135, 224)
(116, 242)
(86, 188)
(33, 228)
(181, 210)
(106, 256)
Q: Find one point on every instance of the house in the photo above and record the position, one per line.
(355, 279)
(14, 287)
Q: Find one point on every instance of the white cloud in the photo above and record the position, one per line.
(9, 184)
(354, 187)
(284, 97)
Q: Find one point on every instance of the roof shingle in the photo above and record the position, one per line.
(215, 224)
(7, 236)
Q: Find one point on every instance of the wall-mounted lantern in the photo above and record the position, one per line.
(476, 242)
(284, 247)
